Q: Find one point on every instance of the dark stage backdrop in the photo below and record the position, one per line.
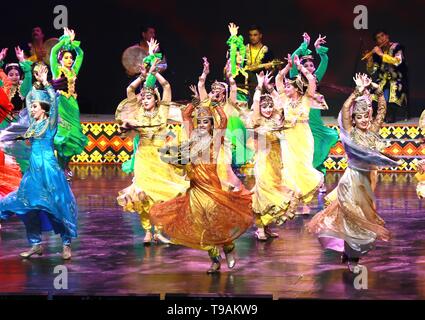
(189, 30)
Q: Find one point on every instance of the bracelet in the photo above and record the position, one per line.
(357, 92)
(258, 88)
(379, 91)
(141, 77)
(270, 89)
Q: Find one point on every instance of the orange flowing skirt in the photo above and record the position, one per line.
(10, 175)
(206, 215)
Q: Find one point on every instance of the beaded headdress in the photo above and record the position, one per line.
(13, 66)
(306, 58)
(362, 105)
(266, 99)
(219, 86)
(299, 83)
(39, 96)
(150, 90)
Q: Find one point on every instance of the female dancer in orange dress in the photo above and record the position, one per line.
(206, 216)
(10, 174)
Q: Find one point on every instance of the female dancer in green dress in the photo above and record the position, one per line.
(69, 140)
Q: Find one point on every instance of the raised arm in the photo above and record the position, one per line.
(223, 118)
(346, 107)
(187, 118)
(311, 89)
(301, 51)
(256, 116)
(166, 87)
(346, 116)
(4, 80)
(280, 78)
(25, 65)
(131, 89)
(382, 109)
(323, 54)
(268, 85)
(203, 94)
(236, 44)
(54, 62)
(233, 93)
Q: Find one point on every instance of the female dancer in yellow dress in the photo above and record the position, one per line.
(299, 175)
(269, 200)
(154, 181)
(350, 224)
(206, 216)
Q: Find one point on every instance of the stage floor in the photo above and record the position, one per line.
(110, 259)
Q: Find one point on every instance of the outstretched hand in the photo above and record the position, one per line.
(194, 91)
(320, 41)
(267, 81)
(233, 29)
(41, 74)
(260, 79)
(153, 46)
(360, 82)
(70, 33)
(306, 38)
(206, 69)
(3, 53)
(142, 70)
(20, 54)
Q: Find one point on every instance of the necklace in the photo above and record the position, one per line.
(150, 114)
(294, 103)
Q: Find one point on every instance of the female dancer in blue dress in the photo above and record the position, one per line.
(44, 200)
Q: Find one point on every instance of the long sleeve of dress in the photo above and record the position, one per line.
(236, 44)
(346, 116)
(80, 56)
(301, 51)
(53, 113)
(187, 119)
(223, 118)
(54, 63)
(323, 66)
(26, 84)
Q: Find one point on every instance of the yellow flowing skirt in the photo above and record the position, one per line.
(154, 181)
(270, 198)
(299, 175)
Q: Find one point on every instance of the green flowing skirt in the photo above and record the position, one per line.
(236, 133)
(69, 140)
(324, 139)
(128, 166)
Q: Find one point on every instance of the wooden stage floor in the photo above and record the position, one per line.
(109, 257)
